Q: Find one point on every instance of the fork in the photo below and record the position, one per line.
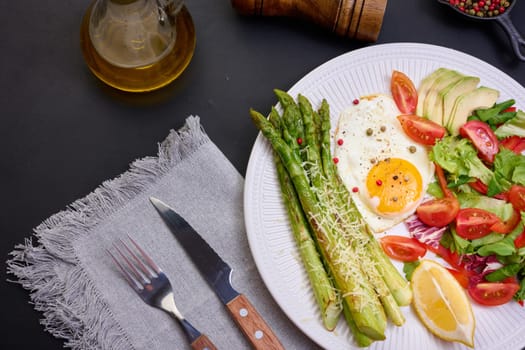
(153, 286)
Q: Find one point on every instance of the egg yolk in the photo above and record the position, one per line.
(394, 185)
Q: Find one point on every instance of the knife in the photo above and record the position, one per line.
(218, 275)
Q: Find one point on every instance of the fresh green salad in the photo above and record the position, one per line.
(483, 240)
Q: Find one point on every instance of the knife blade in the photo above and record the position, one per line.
(217, 274)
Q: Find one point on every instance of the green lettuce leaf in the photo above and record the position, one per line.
(515, 126)
(455, 243)
(505, 246)
(459, 157)
(509, 168)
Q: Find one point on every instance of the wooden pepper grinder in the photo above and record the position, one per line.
(355, 19)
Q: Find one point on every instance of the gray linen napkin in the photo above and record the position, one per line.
(81, 294)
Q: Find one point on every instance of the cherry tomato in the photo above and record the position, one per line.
(442, 180)
(461, 276)
(421, 130)
(519, 242)
(452, 258)
(403, 248)
(505, 227)
(482, 188)
(520, 147)
(482, 137)
(514, 143)
(438, 212)
(479, 186)
(517, 197)
(511, 279)
(473, 223)
(493, 293)
(404, 92)
(510, 109)
(510, 142)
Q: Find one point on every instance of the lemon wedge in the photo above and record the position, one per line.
(442, 304)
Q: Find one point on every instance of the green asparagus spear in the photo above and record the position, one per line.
(361, 339)
(311, 133)
(350, 253)
(284, 98)
(396, 283)
(312, 128)
(312, 139)
(365, 307)
(355, 228)
(325, 294)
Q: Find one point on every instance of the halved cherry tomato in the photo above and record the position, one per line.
(519, 242)
(493, 293)
(421, 130)
(442, 180)
(482, 137)
(514, 143)
(479, 186)
(517, 197)
(404, 92)
(473, 223)
(452, 258)
(402, 248)
(520, 147)
(511, 279)
(482, 188)
(461, 276)
(510, 142)
(505, 227)
(438, 212)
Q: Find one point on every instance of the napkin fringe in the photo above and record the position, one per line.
(49, 268)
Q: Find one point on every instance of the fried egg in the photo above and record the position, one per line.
(385, 172)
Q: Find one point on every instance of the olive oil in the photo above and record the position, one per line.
(138, 49)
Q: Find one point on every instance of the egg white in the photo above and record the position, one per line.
(367, 133)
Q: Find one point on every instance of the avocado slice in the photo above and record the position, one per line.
(425, 86)
(448, 96)
(445, 80)
(482, 97)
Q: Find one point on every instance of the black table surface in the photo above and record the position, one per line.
(62, 132)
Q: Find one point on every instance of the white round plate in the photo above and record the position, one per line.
(340, 81)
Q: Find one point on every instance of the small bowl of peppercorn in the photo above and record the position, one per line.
(491, 10)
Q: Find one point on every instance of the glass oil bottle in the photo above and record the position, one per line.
(137, 45)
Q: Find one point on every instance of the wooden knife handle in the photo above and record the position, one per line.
(203, 343)
(253, 325)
